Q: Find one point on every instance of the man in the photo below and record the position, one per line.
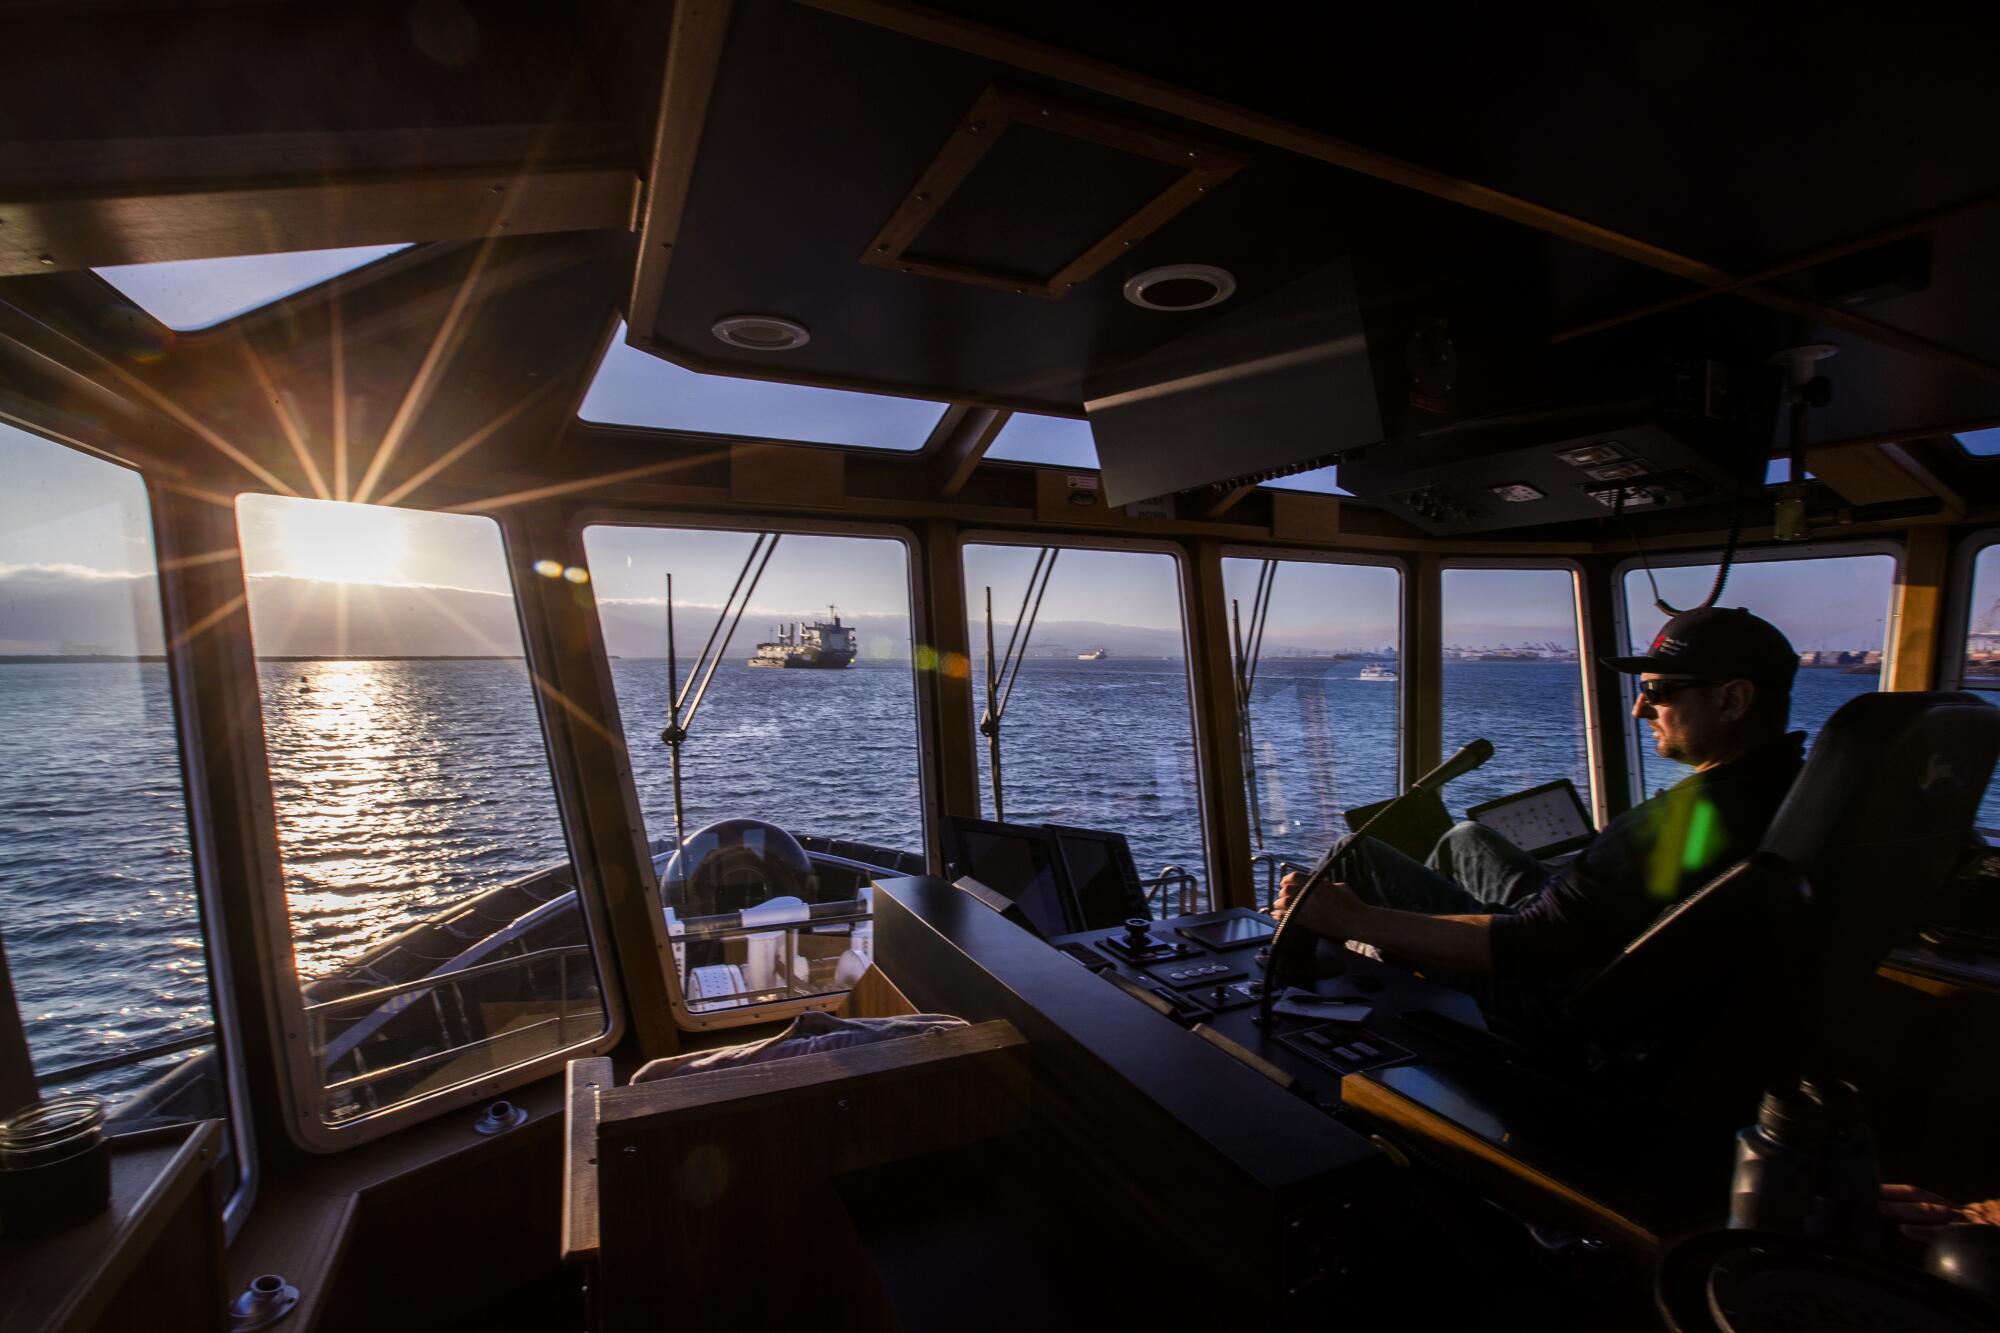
(1486, 917)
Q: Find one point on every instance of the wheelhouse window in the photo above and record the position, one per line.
(99, 912)
(1049, 441)
(1979, 663)
(436, 925)
(1835, 609)
(1319, 481)
(1097, 730)
(798, 775)
(1319, 646)
(190, 295)
(635, 388)
(1512, 675)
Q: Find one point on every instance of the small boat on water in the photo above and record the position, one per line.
(1094, 655)
(823, 645)
(1377, 671)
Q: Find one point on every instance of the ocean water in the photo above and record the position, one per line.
(403, 787)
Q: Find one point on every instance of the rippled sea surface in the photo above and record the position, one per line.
(405, 786)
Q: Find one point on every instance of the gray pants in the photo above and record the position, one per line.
(1473, 871)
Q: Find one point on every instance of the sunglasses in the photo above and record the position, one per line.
(1659, 691)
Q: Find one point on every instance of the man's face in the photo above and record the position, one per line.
(1688, 721)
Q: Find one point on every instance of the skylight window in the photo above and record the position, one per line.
(635, 388)
(1051, 441)
(1778, 472)
(1320, 481)
(191, 294)
(1980, 443)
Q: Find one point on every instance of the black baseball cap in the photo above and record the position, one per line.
(1719, 643)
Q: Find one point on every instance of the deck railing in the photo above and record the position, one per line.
(1187, 891)
(446, 992)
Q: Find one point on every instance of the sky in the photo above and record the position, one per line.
(635, 388)
(191, 294)
(76, 568)
(1320, 606)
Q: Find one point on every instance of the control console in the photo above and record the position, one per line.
(1208, 969)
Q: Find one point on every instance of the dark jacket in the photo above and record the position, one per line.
(1644, 862)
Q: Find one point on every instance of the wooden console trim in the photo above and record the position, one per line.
(1508, 1178)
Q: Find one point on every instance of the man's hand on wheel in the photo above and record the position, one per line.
(1329, 911)
(1921, 1215)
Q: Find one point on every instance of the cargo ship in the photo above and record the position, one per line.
(825, 645)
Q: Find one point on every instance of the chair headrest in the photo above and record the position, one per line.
(1889, 768)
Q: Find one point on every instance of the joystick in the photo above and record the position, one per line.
(1136, 930)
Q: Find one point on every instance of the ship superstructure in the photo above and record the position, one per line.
(824, 645)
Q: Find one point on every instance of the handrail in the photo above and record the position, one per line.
(1171, 874)
(369, 1076)
(1276, 868)
(201, 1036)
(371, 998)
(728, 925)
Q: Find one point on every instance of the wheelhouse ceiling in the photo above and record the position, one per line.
(1683, 173)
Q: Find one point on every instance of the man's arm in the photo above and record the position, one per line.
(1461, 942)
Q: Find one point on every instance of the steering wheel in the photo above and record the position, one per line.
(1294, 949)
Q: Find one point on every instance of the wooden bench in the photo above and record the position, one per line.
(718, 1191)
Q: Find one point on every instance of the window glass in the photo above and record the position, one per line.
(1320, 481)
(1323, 716)
(191, 294)
(1778, 472)
(1982, 651)
(1098, 732)
(1511, 675)
(1054, 441)
(98, 909)
(635, 388)
(1980, 443)
(1834, 609)
(435, 921)
(807, 725)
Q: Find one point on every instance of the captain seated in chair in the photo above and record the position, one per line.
(1485, 917)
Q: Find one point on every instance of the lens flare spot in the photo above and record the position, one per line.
(924, 657)
(549, 569)
(577, 574)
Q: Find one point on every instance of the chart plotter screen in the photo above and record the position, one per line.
(1542, 821)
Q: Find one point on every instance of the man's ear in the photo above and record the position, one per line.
(1736, 697)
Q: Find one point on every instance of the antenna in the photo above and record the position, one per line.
(680, 708)
(1008, 665)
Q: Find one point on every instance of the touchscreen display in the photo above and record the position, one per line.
(1540, 821)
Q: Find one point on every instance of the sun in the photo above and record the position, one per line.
(334, 542)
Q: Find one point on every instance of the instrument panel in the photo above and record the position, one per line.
(1207, 970)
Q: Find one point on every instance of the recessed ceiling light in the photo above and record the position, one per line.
(1516, 492)
(1180, 287)
(761, 333)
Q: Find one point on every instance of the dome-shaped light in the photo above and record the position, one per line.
(1180, 287)
(761, 333)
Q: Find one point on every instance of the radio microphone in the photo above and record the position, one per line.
(1469, 757)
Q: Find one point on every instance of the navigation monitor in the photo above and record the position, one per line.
(1019, 861)
(1542, 821)
(1103, 879)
